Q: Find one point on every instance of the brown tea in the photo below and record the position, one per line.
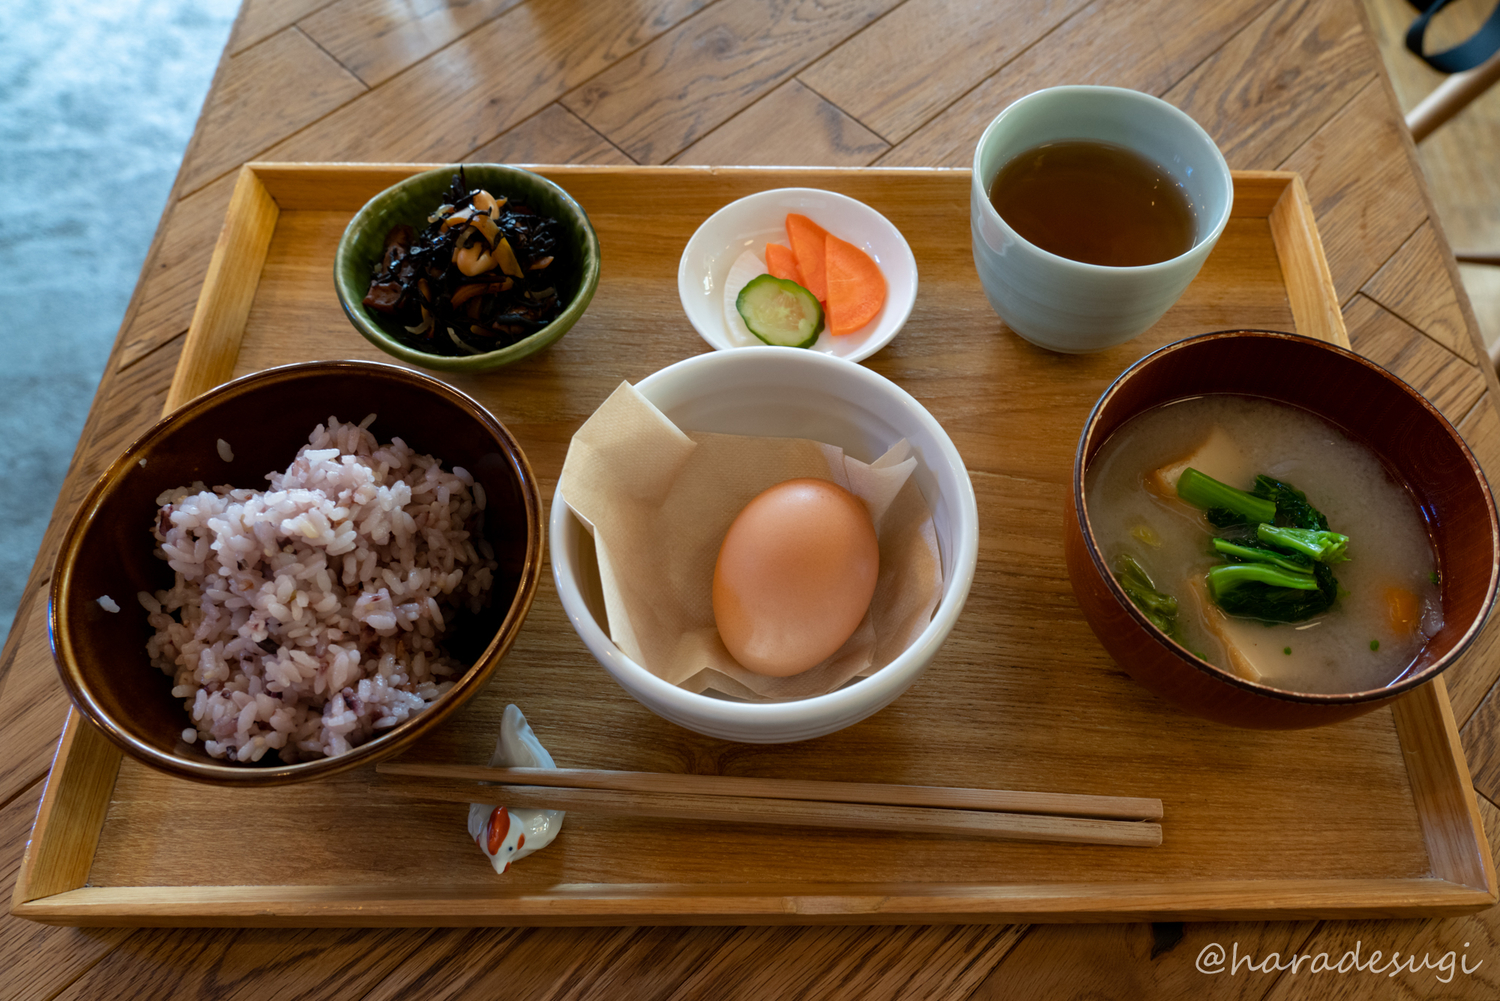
(1095, 202)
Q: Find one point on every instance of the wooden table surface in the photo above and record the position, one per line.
(1280, 84)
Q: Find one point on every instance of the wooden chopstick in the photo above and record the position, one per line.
(1001, 800)
(438, 782)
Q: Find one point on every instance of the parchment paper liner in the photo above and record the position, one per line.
(658, 501)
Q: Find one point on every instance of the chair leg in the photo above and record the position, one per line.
(1451, 97)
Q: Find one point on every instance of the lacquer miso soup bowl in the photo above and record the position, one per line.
(1418, 448)
(236, 434)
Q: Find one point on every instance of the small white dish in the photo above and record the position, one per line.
(759, 219)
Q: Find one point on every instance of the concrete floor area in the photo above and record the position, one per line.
(97, 101)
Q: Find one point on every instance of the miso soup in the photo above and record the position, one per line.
(1388, 602)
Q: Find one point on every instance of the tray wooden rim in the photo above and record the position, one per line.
(52, 883)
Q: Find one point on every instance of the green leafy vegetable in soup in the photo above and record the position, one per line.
(1325, 547)
(1282, 574)
(1250, 551)
(1160, 608)
(1224, 505)
(1263, 591)
(1292, 508)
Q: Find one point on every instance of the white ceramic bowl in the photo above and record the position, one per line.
(791, 392)
(758, 219)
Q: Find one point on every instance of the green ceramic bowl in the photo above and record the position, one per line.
(412, 201)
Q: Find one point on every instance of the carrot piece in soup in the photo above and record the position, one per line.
(1403, 609)
(856, 288)
(781, 262)
(808, 242)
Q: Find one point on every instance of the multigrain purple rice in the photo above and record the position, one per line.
(307, 617)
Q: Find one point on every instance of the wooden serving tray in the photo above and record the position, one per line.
(1371, 818)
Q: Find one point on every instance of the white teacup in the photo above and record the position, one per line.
(1067, 305)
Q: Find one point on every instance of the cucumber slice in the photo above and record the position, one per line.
(779, 311)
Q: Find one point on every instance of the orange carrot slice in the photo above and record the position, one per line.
(856, 288)
(808, 240)
(1403, 609)
(781, 262)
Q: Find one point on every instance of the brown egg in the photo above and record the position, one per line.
(795, 576)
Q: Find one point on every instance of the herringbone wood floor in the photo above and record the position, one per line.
(1294, 84)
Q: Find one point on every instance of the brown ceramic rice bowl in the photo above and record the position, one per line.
(280, 630)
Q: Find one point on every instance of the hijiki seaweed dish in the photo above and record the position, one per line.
(486, 272)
